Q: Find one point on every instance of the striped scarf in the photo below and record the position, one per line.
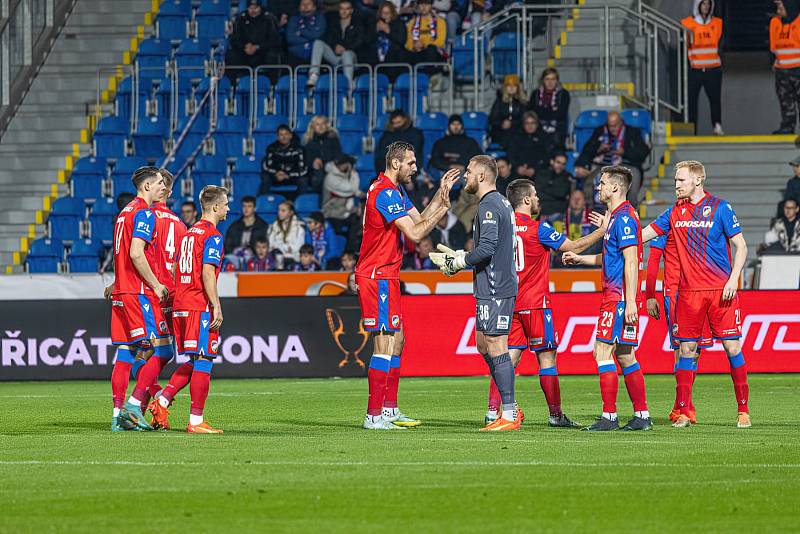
(416, 28)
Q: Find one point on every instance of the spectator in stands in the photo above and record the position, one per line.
(531, 149)
(307, 260)
(449, 9)
(355, 229)
(419, 260)
(287, 234)
(262, 260)
(254, 41)
(575, 222)
(348, 261)
(505, 174)
(426, 35)
(188, 213)
(450, 232)
(283, 10)
(284, 164)
(398, 128)
(793, 185)
(784, 43)
(705, 65)
(554, 185)
(340, 44)
(613, 144)
(389, 45)
(352, 287)
(421, 191)
(322, 145)
(784, 235)
(302, 30)
(242, 234)
(320, 235)
(340, 190)
(505, 118)
(465, 208)
(454, 150)
(550, 101)
(477, 11)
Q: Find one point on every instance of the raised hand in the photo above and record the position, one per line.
(570, 258)
(600, 220)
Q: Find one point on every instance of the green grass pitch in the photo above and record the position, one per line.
(293, 459)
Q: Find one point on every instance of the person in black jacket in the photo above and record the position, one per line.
(531, 149)
(505, 118)
(554, 185)
(398, 128)
(284, 165)
(388, 41)
(449, 232)
(455, 149)
(550, 101)
(340, 43)
(505, 174)
(242, 234)
(322, 146)
(613, 144)
(255, 41)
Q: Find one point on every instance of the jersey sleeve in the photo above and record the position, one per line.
(407, 201)
(144, 225)
(212, 251)
(391, 205)
(550, 237)
(659, 242)
(661, 224)
(627, 230)
(730, 224)
(489, 219)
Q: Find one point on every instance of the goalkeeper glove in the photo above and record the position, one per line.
(448, 260)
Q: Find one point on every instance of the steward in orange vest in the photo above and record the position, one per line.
(705, 33)
(784, 43)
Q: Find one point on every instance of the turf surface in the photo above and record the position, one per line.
(293, 458)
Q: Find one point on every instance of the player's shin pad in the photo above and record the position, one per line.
(448, 260)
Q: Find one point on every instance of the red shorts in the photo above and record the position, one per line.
(193, 335)
(135, 318)
(670, 307)
(533, 329)
(611, 327)
(380, 304)
(697, 307)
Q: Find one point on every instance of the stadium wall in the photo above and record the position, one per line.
(321, 337)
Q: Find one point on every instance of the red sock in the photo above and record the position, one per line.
(740, 388)
(494, 396)
(676, 406)
(691, 402)
(683, 390)
(178, 381)
(609, 384)
(634, 383)
(198, 388)
(552, 392)
(120, 376)
(392, 383)
(147, 375)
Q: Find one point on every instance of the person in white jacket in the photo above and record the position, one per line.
(340, 188)
(287, 234)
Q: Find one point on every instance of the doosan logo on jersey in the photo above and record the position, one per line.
(694, 224)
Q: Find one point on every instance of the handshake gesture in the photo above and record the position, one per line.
(448, 260)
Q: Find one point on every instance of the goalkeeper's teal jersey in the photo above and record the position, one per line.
(493, 256)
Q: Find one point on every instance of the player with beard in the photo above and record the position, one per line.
(389, 215)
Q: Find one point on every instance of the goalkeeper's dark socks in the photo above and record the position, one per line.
(494, 396)
(377, 376)
(739, 375)
(684, 377)
(548, 380)
(609, 384)
(504, 377)
(634, 383)
(392, 383)
(180, 378)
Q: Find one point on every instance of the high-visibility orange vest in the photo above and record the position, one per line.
(704, 44)
(784, 42)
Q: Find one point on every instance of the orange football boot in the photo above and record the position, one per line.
(160, 415)
(673, 415)
(500, 425)
(202, 428)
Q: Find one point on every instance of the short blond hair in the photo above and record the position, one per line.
(212, 194)
(695, 167)
(487, 162)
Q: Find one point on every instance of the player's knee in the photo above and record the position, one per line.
(688, 349)
(733, 347)
(546, 359)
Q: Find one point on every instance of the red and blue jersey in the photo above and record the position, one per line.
(136, 220)
(201, 245)
(534, 241)
(624, 230)
(672, 266)
(168, 236)
(702, 232)
(382, 245)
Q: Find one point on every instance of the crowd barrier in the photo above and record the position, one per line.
(322, 337)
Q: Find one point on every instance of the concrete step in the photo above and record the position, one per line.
(16, 136)
(31, 177)
(84, 58)
(66, 83)
(87, 42)
(39, 190)
(47, 123)
(128, 19)
(26, 202)
(55, 97)
(16, 230)
(737, 153)
(51, 149)
(17, 217)
(42, 162)
(591, 51)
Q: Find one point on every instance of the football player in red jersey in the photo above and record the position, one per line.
(704, 226)
(197, 312)
(532, 324)
(389, 215)
(136, 316)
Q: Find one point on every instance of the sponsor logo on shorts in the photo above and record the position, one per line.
(180, 314)
(214, 346)
(137, 332)
(536, 341)
(370, 321)
(502, 322)
(395, 321)
(732, 332)
(117, 303)
(190, 344)
(629, 332)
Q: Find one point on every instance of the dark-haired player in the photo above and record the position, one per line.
(389, 216)
(618, 324)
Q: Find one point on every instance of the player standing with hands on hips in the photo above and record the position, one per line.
(495, 281)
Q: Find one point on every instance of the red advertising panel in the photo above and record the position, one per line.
(440, 337)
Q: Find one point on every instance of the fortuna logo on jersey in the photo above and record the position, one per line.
(694, 224)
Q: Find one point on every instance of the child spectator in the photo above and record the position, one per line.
(262, 260)
(242, 234)
(348, 260)
(320, 236)
(287, 233)
(307, 261)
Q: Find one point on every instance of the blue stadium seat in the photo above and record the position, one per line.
(111, 136)
(365, 166)
(352, 130)
(638, 118)
(151, 57)
(87, 177)
(122, 172)
(65, 218)
(337, 247)
(192, 53)
(302, 124)
(306, 203)
(246, 176)
(434, 127)
(282, 93)
(267, 205)
(101, 219)
(402, 91)
(193, 137)
(148, 139)
(571, 157)
(322, 101)
(224, 90)
(45, 255)
(266, 132)
(591, 118)
(85, 256)
(582, 136)
(243, 90)
(172, 20)
(124, 98)
(476, 125)
(211, 17)
(504, 55)
(361, 92)
(208, 170)
(231, 131)
(463, 54)
(183, 6)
